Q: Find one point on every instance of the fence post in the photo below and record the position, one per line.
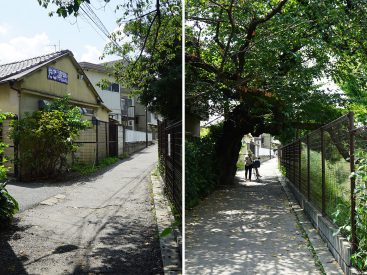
(299, 164)
(322, 171)
(107, 126)
(308, 168)
(97, 144)
(294, 162)
(352, 182)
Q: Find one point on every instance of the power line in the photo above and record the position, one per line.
(88, 12)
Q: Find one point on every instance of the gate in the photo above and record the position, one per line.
(113, 140)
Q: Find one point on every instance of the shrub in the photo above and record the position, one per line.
(8, 205)
(201, 167)
(359, 259)
(46, 138)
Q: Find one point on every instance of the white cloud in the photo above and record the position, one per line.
(23, 47)
(3, 29)
(91, 54)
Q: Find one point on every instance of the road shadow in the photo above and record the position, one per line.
(10, 263)
(126, 246)
(246, 228)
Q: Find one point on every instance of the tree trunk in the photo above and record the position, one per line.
(229, 144)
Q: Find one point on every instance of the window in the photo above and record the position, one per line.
(123, 104)
(114, 87)
(86, 111)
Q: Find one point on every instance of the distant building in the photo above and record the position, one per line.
(126, 110)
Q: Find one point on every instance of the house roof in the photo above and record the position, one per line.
(18, 69)
(101, 67)
(92, 66)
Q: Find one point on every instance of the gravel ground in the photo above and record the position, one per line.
(104, 226)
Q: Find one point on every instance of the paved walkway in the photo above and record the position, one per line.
(102, 226)
(247, 229)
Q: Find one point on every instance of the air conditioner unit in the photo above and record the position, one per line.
(130, 123)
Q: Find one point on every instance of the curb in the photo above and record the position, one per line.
(171, 243)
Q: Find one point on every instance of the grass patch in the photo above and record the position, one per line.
(87, 168)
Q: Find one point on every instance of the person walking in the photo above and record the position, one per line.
(248, 166)
(256, 166)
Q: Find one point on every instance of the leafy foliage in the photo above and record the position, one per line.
(148, 40)
(8, 205)
(46, 138)
(359, 258)
(201, 166)
(270, 57)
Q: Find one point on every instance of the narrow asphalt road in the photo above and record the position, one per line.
(103, 226)
(247, 229)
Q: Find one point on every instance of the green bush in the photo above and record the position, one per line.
(359, 259)
(201, 167)
(46, 138)
(8, 205)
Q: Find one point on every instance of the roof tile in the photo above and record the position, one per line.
(15, 68)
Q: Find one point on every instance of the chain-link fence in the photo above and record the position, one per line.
(319, 166)
(170, 158)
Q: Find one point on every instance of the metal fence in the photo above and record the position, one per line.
(93, 143)
(319, 166)
(170, 157)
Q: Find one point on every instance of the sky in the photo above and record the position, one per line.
(27, 31)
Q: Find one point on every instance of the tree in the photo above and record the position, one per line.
(149, 45)
(46, 138)
(259, 61)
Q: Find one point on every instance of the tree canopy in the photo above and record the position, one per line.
(268, 56)
(260, 63)
(148, 41)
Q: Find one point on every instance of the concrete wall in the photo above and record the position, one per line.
(136, 136)
(8, 99)
(133, 147)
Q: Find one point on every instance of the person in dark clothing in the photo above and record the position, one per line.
(256, 165)
(248, 166)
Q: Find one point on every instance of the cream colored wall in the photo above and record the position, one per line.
(102, 114)
(77, 88)
(29, 103)
(9, 101)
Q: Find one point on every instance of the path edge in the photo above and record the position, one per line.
(171, 244)
(323, 253)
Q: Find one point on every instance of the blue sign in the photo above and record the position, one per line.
(57, 75)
